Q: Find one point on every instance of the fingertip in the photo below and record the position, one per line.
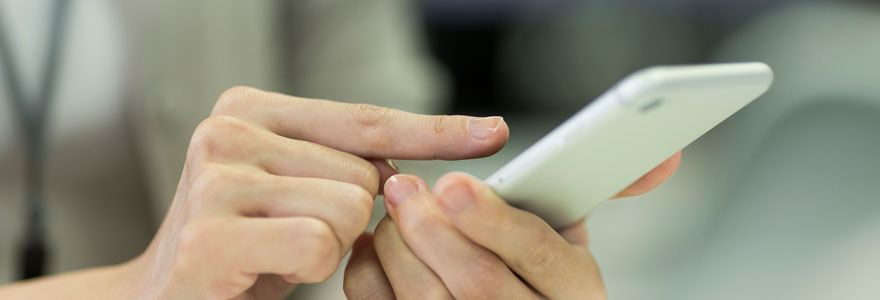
(674, 161)
(668, 167)
(399, 188)
(477, 186)
(451, 178)
(454, 196)
(418, 180)
(474, 137)
(460, 194)
(484, 128)
(652, 179)
(503, 133)
(492, 144)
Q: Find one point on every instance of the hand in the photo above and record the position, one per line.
(275, 189)
(463, 242)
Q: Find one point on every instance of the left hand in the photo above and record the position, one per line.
(464, 242)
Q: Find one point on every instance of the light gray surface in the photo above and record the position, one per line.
(96, 203)
(779, 202)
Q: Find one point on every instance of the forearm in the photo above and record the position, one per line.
(109, 282)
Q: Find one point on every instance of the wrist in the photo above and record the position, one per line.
(126, 280)
(108, 282)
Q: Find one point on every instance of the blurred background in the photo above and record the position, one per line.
(778, 202)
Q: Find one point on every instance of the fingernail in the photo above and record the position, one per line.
(484, 128)
(398, 188)
(456, 197)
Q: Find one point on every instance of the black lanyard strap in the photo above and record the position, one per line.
(32, 115)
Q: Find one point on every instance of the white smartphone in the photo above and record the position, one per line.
(626, 132)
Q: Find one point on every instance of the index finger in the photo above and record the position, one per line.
(366, 130)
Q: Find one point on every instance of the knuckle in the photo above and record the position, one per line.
(438, 125)
(368, 178)
(356, 170)
(353, 215)
(190, 245)
(231, 99)
(371, 119)
(538, 258)
(362, 205)
(214, 135)
(322, 257)
(207, 178)
(370, 116)
(201, 184)
(211, 183)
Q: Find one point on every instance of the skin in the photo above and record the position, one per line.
(274, 192)
(461, 241)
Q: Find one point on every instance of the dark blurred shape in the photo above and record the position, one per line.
(34, 255)
(463, 12)
(468, 53)
(556, 56)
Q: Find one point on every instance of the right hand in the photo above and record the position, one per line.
(275, 190)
